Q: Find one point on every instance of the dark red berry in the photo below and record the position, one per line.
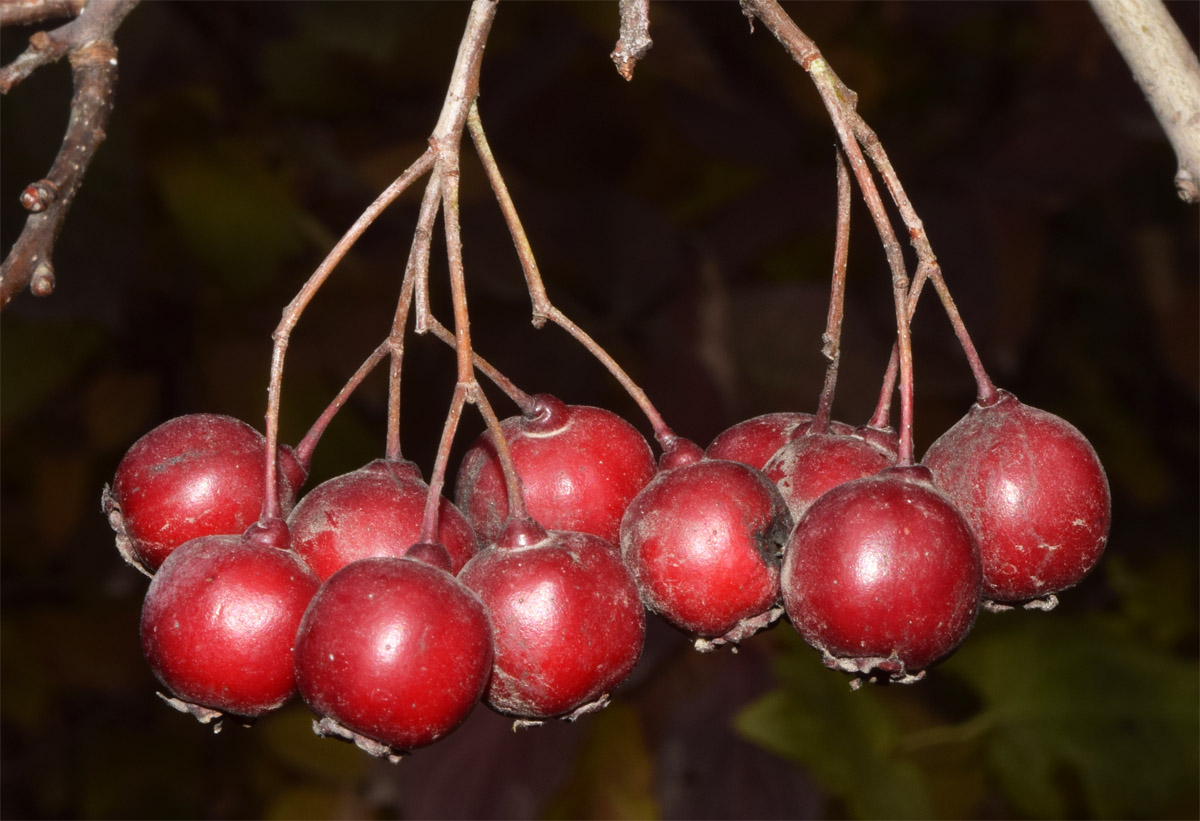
(373, 511)
(192, 476)
(882, 573)
(393, 654)
(1033, 490)
(702, 542)
(755, 441)
(568, 622)
(219, 623)
(432, 554)
(579, 467)
(809, 465)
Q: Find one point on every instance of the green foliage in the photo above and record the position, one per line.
(1071, 701)
(1075, 718)
(613, 776)
(234, 215)
(51, 353)
(845, 739)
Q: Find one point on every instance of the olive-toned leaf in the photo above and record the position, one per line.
(844, 738)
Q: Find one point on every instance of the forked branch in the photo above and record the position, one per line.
(87, 42)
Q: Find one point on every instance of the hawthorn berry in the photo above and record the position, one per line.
(579, 467)
(754, 441)
(219, 623)
(882, 573)
(568, 622)
(702, 542)
(373, 511)
(196, 475)
(393, 653)
(809, 465)
(1033, 490)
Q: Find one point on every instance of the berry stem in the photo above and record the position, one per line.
(395, 345)
(543, 309)
(294, 309)
(927, 264)
(832, 338)
(308, 444)
(418, 255)
(446, 142)
(519, 398)
(855, 135)
(882, 415)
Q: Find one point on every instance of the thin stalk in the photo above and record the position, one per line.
(294, 309)
(308, 444)
(543, 309)
(927, 261)
(418, 255)
(832, 338)
(519, 398)
(395, 346)
(467, 388)
(882, 416)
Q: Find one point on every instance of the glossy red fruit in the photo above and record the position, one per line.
(219, 623)
(568, 622)
(702, 541)
(883, 573)
(1033, 490)
(579, 467)
(195, 475)
(393, 654)
(373, 511)
(755, 441)
(809, 465)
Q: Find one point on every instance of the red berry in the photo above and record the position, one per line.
(393, 654)
(1033, 490)
(568, 622)
(755, 441)
(192, 476)
(882, 573)
(809, 465)
(702, 542)
(579, 467)
(373, 511)
(219, 622)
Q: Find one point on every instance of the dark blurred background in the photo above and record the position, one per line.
(685, 220)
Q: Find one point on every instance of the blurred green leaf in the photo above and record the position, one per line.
(845, 739)
(1072, 705)
(1158, 597)
(39, 358)
(289, 737)
(613, 777)
(305, 802)
(369, 30)
(232, 212)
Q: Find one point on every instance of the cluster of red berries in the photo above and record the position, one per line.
(392, 640)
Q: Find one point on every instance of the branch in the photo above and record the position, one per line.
(634, 39)
(88, 43)
(25, 12)
(1167, 71)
